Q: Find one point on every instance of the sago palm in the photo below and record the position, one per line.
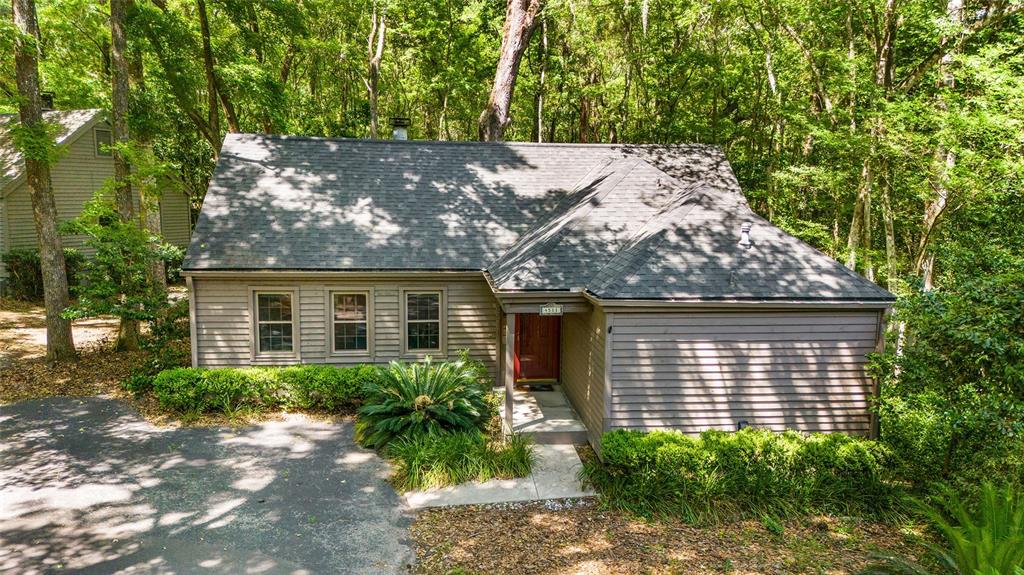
(986, 540)
(419, 399)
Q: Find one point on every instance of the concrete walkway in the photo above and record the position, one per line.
(554, 477)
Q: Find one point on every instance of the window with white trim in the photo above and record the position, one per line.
(350, 316)
(274, 325)
(423, 320)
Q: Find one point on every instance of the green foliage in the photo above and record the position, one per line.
(986, 538)
(417, 399)
(192, 391)
(37, 142)
(327, 388)
(116, 279)
(720, 475)
(25, 273)
(440, 460)
(952, 407)
(166, 346)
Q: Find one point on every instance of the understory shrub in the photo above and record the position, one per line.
(952, 403)
(721, 475)
(25, 275)
(428, 398)
(985, 538)
(194, 391)
(440, 460)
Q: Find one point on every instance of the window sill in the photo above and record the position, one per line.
(434, 354)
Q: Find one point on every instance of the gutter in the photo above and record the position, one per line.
(739, 303)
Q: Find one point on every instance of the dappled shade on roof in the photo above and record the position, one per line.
(622, 221)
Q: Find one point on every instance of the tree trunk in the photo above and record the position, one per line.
(375, 51)
(944, 158)
(853, 240)
(59, 342)
(520, 20)
(890, 232)
(213, 116)
(149, 196)
(128, 334)
(538, 98)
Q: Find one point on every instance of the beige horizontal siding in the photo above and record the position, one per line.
(789, 369)
(77, 175)
(175, 218)
(224, 327)
(582, 364)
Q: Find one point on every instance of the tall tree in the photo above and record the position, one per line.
(520, 20)
(375, 51)
(128, 334)
(36, 144)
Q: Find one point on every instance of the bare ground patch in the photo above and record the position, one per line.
(546, 539)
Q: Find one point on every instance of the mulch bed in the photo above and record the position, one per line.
(578, 537)
(98, 371)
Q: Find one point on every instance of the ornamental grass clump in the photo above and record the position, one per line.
(451, 458)
(422, 399)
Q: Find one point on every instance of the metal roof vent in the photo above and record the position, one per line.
(745, 235)
(400, 128)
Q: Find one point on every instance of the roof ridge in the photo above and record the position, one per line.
(654, 226)
(571, 208)
(237, 135)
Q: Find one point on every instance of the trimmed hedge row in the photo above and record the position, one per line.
(719, 475)
(318, 387)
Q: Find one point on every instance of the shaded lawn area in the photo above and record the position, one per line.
(24, 375)
(581, 538)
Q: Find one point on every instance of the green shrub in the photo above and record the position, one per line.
(983, 539)
(417, 399)
(751, 472)
(25, 275)
(952, 405)
(194, 391)
(327, 388)
(427, 461)
(172, 258)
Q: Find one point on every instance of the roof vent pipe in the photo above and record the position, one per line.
(745, 235)
(400, 128)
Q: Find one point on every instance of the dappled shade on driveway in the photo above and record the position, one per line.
(87, 486)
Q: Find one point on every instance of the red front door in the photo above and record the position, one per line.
(537, 340)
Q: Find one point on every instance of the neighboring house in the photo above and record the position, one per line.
(85, 165)
(680, 307)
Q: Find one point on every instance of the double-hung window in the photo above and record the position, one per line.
(423, 321)
(350, 318)
(274, 325)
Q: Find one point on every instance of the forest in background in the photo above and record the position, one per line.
(886, 133)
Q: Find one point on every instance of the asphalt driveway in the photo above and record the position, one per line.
(87, 486)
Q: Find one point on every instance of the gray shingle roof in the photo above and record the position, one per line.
(69, 122)
(622, 221)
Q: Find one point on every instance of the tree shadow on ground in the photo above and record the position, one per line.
(86, 485)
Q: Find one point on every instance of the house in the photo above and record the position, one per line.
(85, 165)
(635, 277)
